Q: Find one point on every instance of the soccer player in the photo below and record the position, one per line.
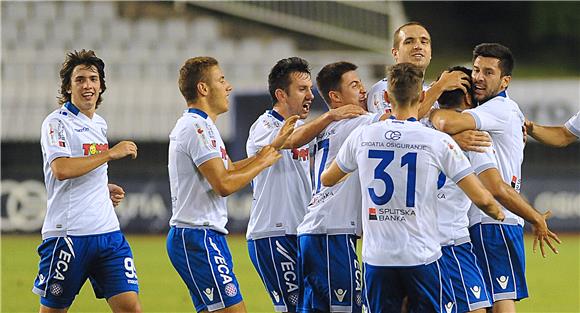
(328, 265)
(499, 245)
(398, 162)
(80, 236)
(201, 175)
(556, 136)
(282, 192)
(412, 44)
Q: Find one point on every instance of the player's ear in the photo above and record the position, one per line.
(422, 96)
(202, 89)
(505, 81)
(386, 97)
(280, 95)
(395, 53)
(334, 96)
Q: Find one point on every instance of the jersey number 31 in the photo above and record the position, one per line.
(386, 157)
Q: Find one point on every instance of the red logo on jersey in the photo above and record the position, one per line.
(94, 148)
(200, 131)
(300, 154)
(224, 153)
(372, 214)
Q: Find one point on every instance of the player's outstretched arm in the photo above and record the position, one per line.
(332, 175)
(472, 140)
(448, 81)
(555, 136)
(451, 122)
(225, 181)
(305, 133)
(67, 168)
(514, 202)
(480, 196)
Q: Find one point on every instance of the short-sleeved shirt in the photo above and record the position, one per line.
(398, 164)
(503, 120)
(573, 125)
(335, 210)
(282, 191)
(376, 102)
(81, 205)
(194, 140)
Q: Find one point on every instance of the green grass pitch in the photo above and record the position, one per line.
(554, 282)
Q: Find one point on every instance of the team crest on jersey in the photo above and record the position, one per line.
(94, 148)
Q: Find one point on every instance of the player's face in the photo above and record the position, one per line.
(414, 46)
(219, 90)
(352, 90)
(85, 87)
(300, 96)
(487, 79)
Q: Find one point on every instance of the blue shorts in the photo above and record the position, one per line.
(330, 273)
(204, 262)
(466, 277)
(275, 261)
(67, 262)
(500, 252)
(427, 286)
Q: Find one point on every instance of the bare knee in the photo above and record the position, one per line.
(127, 302)
(45, 309)
(504, 306)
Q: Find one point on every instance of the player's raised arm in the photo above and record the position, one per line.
(555, 136)
(451, 122)
(514, 202)
(225, 182)
(449, 80)
(305, 133)
(68, 167)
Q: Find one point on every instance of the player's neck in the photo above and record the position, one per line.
(200, 105)
(281, 109)
(406, 112)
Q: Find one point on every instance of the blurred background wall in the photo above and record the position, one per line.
(144, 44)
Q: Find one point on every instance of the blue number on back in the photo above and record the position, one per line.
(323, 144)
(386, 157)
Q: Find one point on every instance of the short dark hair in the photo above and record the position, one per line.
(498, 51)
(404, 83)
(194, 70)
(279, 77)
(330, 76)
(396, 40)
(84, 57)
(451, 99)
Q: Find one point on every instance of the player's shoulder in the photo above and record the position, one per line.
(59, 115)
(268, 121)
(99, 120)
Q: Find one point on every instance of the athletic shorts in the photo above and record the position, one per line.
(500, 251)
(330, 273)
(66, 263)
(275, 261)
(428, 288)
(204, 262)
(466, 277)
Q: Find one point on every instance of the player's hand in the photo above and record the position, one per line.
(346, 111)
(268, 155)
(453, 80)
(542, 234)
(472, 140)
(116, 193)
(123, 149)
(529, 126)
(285, 132)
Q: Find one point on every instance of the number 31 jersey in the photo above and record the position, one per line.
(399, 164)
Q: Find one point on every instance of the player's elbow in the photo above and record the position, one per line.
(327, 180)
(60, 172)
(223, 190)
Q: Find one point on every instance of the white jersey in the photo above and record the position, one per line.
(453, 204)
(502, 119)
(194, 140)
(573, 125)
(282, 191)
(335, 210)
(376, 102)
(399, 163)
(81, 205)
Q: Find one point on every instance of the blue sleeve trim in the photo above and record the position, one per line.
(484, 167)
(476, 118)
(343, 167)
(199, 161)
(461, 175)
